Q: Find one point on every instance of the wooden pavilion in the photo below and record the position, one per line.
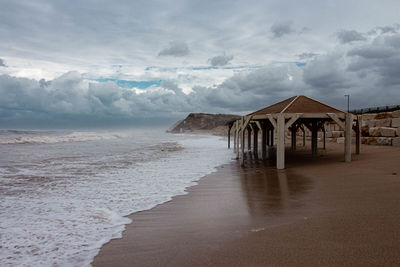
(291, 115)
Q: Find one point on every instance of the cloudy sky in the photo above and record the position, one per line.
(67, 62)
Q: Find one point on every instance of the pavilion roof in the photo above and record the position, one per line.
(297, 104)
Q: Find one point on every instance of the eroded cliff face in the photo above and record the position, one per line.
(204, 123)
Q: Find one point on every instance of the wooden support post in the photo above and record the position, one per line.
(249, 130)
(238, 131)
(229, 135)
(264, 141)
(242, 144)
(358, 134)
(304, 135)
(234, 136)
(280, 151)
(255, 141)
(271, 143)
(324, 136)
(347, 137)
(314, 138)
(293, 131)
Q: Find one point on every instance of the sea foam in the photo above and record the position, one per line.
(59, 210)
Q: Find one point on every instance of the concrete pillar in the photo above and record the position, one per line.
(255, 141)
(280, 150)
(347, 137)
(358, 134)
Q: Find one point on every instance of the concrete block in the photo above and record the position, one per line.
(340, 140)
(384, 141)
(369, 140)
(368, 116)
(382, 131)
(383, 122)
(396, 142)
(337, 134)
(395, 122)
(396, 114)
(383, 115)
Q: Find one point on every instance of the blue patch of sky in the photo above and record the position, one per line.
(131, 84)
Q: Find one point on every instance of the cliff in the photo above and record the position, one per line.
(204, 123)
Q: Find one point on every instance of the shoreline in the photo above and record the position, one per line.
(258, 215)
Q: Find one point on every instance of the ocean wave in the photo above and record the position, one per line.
(49, 139)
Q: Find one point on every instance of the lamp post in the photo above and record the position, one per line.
(348, 102)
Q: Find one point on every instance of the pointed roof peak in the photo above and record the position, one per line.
(298, 104)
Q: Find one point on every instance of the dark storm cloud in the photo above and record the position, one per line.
(220, 60)
(346, 36)
(175, 49)
(282, 28)
(2, 64)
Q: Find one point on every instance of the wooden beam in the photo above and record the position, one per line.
(249, 130)
(272, 120)
(255, 141)
(264, 141)
(304, 134)
(336, 119)
(292, 120)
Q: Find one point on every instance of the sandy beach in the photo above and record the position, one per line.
(318, 211)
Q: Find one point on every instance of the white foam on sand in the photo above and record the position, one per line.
(49, 220)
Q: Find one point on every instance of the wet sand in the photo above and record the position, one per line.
(318, 211)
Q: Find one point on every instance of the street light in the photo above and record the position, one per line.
(348, 102)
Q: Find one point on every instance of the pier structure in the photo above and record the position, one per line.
(290, 116)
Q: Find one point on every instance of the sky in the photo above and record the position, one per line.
(69, 63)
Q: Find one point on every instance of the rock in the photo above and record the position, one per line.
(396, 114)
(337, 134)
(384, 141)
(395, 122)
(383, 122)
(396, 141)
(368, 116)
(383, 115)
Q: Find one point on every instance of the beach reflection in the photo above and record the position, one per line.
(268, 191)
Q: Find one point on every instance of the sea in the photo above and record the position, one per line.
(64, 193)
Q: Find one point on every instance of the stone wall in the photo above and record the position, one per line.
(376, 129)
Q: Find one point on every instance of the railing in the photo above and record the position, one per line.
(375, 109)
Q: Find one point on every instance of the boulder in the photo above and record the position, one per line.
(396, 141)
(384, 141)
(396, 114)
(382, 131)
(395, 122)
